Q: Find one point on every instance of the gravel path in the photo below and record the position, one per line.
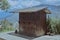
(11, 37)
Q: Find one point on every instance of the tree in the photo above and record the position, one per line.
(4, 4)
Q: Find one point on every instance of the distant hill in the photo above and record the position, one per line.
(53, 8)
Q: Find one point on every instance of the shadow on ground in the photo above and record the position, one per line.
(21, 35)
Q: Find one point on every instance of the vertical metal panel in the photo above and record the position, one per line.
(33, 23)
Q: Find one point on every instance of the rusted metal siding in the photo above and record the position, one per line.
(33, 23)
(43, 21)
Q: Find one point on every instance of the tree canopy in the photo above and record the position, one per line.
(4, 4)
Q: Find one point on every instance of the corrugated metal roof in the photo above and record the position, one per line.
(29, 9)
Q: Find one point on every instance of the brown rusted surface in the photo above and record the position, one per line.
(33, 23)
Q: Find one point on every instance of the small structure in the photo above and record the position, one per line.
(32, 21)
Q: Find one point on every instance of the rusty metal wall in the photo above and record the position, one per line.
(33, 23)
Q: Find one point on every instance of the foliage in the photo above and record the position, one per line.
(49, 24)
(6, 26)
(53, 25)
(4, 4)
(58, 27)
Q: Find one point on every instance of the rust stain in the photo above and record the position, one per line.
(33, 23)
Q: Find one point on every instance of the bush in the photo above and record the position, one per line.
(53, 25)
